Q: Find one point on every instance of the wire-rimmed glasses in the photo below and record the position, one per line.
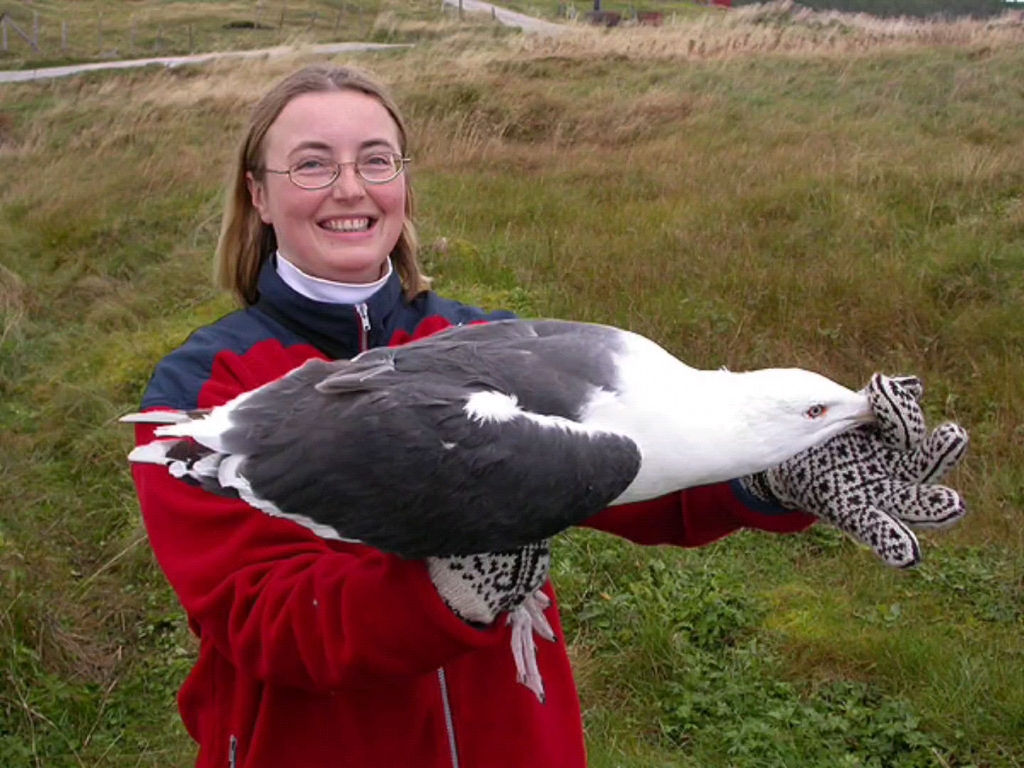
(318, 173)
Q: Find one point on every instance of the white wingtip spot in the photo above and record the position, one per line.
(492, 406)
(155, 417)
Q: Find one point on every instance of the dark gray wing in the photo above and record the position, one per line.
(551, 366)
(382, 450)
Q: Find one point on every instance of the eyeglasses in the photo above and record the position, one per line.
(317, 173)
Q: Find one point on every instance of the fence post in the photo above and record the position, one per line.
(99, 32)
(63, 34)
(5, 22)
(35, 30)
(190, 38)
(337, 23)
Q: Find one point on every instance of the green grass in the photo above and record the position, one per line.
(847, 213)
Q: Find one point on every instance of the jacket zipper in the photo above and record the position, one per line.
(448, 722)
(364, 333)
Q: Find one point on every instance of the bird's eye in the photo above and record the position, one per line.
(816, 411)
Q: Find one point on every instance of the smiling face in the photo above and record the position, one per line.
(344, 232)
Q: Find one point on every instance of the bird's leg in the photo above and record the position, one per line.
(535, 605)
(526, 619)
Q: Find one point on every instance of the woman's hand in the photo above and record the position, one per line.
(876, 482)
(479, 587)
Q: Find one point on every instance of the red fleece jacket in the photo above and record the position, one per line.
(321, 653)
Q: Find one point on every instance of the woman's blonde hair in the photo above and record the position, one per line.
(245, 241)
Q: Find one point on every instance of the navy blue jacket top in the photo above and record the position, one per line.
(336, 330)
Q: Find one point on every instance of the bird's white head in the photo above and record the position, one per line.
(699, 427)
(788, 410)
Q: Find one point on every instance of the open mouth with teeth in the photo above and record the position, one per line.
(356, 224)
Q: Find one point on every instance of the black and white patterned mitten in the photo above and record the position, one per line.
(876, 482)
(480, 587)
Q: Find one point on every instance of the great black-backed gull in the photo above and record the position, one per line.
(489, 437)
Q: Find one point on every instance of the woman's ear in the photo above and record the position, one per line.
(258, 193)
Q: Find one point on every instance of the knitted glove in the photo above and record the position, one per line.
(876, 482)
(479, 587)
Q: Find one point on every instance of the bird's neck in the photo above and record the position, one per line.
(693, 428)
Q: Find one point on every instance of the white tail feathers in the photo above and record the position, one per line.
(151, 453)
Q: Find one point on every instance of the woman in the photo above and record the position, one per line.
(322, 653)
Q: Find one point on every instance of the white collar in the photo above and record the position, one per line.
(327, 291)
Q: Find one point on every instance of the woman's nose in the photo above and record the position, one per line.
(348, 184)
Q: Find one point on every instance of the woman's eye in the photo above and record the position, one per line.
(376, 160)
(311, 164)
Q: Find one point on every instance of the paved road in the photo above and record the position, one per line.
(22, 75)
(510, 18)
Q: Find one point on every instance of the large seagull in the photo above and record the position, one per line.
(489, 437)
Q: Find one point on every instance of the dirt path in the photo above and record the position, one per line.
(22, 75)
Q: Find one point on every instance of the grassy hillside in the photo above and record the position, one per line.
(682, 8)
(919, 8)
(749, 189)
(63, 31)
